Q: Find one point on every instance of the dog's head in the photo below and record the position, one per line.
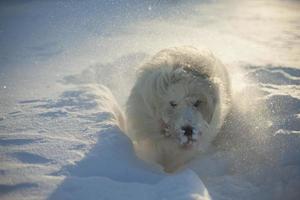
(187, 108)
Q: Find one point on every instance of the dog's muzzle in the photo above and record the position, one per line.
(188, 136)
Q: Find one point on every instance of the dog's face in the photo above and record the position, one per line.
(186, 112)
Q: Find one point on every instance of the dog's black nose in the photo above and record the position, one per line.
(188, 130)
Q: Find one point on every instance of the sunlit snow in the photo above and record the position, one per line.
(58, 134)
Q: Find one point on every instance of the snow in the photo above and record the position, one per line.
(59, 132)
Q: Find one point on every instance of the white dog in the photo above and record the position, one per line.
(177, 105)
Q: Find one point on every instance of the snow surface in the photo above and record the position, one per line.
(58, 134)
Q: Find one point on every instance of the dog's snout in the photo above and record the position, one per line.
(188, 130)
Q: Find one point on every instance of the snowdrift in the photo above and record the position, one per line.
(110, 170)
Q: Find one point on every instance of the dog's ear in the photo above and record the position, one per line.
(208, 110)
(212, 98)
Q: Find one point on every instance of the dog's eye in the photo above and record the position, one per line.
(173, 104)
(197, 103)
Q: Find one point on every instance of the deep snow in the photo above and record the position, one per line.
(58, 139)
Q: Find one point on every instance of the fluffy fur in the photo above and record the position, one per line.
(177, 105)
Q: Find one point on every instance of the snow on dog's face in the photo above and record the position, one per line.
(187, 110)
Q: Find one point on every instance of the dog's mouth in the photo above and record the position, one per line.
(188, 141)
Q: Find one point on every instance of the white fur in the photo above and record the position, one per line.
(178, 88)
